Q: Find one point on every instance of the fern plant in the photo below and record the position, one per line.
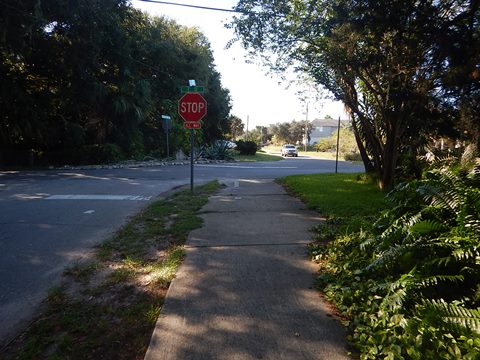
(411, 285)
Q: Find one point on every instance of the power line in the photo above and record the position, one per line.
(191, 6)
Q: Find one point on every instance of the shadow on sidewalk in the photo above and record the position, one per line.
(245, 288)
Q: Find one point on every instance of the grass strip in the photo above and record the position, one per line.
(107, 307)
(349, 202)
(336, 195)
(327, 155)
(258, 157)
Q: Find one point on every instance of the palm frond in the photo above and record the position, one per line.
(471, 253)
(426, 227)
(398, 291)
(457, 315)
(437, 279)
(368, 243)
(388, 258)
(443, 189)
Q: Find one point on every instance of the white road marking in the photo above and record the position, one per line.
(89, 212)
(99, 197)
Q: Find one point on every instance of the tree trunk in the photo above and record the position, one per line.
(390, 155)
(367, 163)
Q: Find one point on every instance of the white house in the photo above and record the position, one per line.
(323, 128)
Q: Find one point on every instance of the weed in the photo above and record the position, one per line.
(120, 275)
(82, 272)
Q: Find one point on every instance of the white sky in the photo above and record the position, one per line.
(264, 100)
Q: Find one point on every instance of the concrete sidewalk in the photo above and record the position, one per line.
(244, 290)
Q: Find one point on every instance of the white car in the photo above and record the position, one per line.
(226, 143)
(289, 150)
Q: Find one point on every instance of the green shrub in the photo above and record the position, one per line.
(352, 157)
(219, 151)
(347, 144)
(247, 147)
(109, 153)
(327, 144)
(84, 155)
(410, 285)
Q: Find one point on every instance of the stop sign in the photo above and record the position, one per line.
(192, 107)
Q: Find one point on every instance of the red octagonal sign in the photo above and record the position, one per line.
(192, 107)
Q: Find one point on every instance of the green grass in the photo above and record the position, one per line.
(349, 203)
(337, 195)
(319, 155)
(82, 272)
(258, 157)
(107, 307)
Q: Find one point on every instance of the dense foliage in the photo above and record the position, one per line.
(410, 286)
(260, 135)
(236, 127)
(247, 147)
(347, 143)
(407, 70)
(220, 150)
(87, 81)
(290, 132)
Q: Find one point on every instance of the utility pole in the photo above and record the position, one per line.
(306, 131)
(338, 145)
(248, 119)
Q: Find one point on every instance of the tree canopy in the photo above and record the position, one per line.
(236, 127)
(404, 69)
(87, 81)
(291, 132)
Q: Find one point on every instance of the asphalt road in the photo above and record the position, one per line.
(50, 219)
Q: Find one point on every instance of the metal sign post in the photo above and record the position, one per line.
(338, 145)
(191, 159)
(192, 107)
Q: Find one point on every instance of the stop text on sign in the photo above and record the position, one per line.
(192, 107)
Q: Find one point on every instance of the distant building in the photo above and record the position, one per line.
(323, 128)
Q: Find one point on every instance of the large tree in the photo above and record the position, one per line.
(96, 76)
(380, 59)
(291, 132)
(236, 127)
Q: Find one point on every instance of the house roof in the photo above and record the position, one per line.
(328, 122)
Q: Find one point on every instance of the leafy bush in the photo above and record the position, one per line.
(352, 157)
(327, 144)
(411, 285)
(219, 151)
(87, 154)
(247, 147)
(348, 143)
(18, 157)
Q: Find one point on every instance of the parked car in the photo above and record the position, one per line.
(289, 150)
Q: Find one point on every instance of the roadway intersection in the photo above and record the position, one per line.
(50, 219)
